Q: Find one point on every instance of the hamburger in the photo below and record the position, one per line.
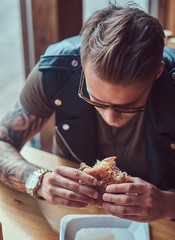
(106, 172)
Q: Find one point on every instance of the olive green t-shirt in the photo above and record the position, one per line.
(127, 142)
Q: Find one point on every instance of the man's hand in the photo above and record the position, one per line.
(139, 201)
(62, 187)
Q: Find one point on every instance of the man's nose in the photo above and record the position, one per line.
(111, 116)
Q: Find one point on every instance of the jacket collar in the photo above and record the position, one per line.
(68, 95)
(76, 112)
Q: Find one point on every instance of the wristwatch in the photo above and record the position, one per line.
(34, 181)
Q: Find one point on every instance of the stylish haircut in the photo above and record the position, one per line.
(123, 45)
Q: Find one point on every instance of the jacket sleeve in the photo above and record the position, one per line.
(169, 58)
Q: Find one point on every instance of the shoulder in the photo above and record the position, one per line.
(32, 96)
(59, 63)
(68, 46)
(60, 55)
(169, 58)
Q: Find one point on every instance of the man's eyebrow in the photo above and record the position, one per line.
(97, 99)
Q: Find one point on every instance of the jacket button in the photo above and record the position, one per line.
(65, 127)
(172, 146)
(58, 102)
(173, 75)
(74, 63)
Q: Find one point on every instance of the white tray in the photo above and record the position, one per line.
(101, 227)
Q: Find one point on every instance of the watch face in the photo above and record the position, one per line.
(32, 181)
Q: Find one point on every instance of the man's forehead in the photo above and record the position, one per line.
(90, 73)
(106, 92)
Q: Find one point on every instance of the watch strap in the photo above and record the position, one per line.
(40, 173)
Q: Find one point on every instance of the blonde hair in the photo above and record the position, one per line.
(123, 45)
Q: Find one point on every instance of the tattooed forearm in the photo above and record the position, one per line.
(15, 130)
(13, 168)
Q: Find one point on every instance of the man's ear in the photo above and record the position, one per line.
(160, 70)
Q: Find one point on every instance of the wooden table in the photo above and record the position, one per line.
(23, 217)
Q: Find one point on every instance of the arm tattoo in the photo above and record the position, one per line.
(19, 126)
(15, 130)
(13, 168)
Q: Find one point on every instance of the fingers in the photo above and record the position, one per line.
(124, 199)
(123, 211)
(126, 188)
(134, 180)
(58, 193)
(59, 181)
(136, 200)
(66, 202)
(135, 193)
(63, 188)
(76, 174)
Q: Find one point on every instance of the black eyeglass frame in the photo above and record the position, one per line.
(106, 106)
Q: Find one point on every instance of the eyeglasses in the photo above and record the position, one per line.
(106, 106)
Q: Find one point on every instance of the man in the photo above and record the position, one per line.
(123, 106)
